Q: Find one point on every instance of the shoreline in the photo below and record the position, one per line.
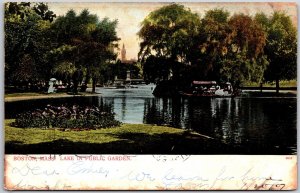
(36, 96)
(124, 139)
(45, 96)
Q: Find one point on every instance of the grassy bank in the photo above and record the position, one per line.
(128, 138)
(282, 83)
(32, 95)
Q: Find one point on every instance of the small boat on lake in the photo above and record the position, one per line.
(209, 89)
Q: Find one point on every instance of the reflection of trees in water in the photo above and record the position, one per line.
(285, 126)
(156, 111)
(123, 109)
(270, 121)
(231, 119)
(219, 117)
(255, 120)
(165, 111)
(216, 117)
(252, 121)
(105, 104)
(231, 128)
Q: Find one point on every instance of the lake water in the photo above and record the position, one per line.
(249, 121)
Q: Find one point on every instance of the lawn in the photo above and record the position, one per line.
(128, 138)
(32, 95)
(125, 139)
(282, 83)
(98, 136)
(23, 94)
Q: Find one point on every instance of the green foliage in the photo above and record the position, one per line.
(42, 10)
(217, 15)
(214, 43)
(246, 51)
(27, 42)
(176, 45)
(92, 42)
(281, 47)
(69, 48)
(167, 34)
(249, 36)
(119, 69)
(230, 49)
(62, 117)
(239, 69)
(183, 47)
(24, 10)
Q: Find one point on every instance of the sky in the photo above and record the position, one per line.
(130, 15)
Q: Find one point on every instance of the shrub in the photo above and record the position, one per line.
(74, 117)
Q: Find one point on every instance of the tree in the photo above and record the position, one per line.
(281, 47)
(167, 37)
(245, 60)
(231, 48)
(101, 45)
(64, 67)
(27, 42)
(217, 47)
(213, 43)
(91, 44)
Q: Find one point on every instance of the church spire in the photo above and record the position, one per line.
(123, 53)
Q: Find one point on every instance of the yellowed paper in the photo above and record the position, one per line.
(150, 172)
(153, 172)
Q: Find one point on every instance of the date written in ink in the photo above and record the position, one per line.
(165, 158)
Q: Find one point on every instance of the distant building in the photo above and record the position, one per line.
(123, 53)
(123, 57)
(128, 81)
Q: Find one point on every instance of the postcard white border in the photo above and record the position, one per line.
(289, 170)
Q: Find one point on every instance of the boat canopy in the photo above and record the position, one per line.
(204, 82)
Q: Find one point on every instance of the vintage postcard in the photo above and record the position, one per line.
(150, 95)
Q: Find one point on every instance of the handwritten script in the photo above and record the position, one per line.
(163, 175)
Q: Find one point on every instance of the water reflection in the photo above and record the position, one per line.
(260, 122)
(217, 117)
(236, 121)
(166, 112)
(126, 110)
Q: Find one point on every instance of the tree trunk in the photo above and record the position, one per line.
(94, 81)
(75, 78)
(277, 85)
(87, 78)
(69, 85)
(75, 89)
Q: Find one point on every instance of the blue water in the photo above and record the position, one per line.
(262, 122)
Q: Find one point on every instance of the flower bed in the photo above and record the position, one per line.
(74, 117)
